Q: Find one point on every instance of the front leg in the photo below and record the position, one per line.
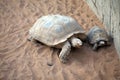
(65, 52)
(95, 46)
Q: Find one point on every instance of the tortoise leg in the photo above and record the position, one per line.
(95, 46)
(30, 38)
(108, 43)
(65, 52)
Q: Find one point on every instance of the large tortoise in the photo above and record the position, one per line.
(58, 31)
(98, 37)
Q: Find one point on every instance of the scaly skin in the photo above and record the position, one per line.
(65, 52)
(75, 42)
(30, 38)
(95, 46)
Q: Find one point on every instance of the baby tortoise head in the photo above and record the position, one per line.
(98, 37)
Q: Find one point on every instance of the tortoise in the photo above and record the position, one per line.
(58, 31)
(98, 37)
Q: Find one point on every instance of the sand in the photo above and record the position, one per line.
(23, 60)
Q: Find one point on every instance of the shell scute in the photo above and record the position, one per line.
(55, 29)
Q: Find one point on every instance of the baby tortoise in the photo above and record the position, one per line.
(58, 31)
(98, 37)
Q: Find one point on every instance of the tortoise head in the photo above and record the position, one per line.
(101, 43)
(76, 42)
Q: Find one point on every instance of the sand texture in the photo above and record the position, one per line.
(23, 60)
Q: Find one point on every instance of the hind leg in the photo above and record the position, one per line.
(30, 38)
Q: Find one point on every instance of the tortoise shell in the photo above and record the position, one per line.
(55, 29)
(97, 34)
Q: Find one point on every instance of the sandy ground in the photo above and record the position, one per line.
(23, 60)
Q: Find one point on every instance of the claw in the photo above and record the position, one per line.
(63, 60)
